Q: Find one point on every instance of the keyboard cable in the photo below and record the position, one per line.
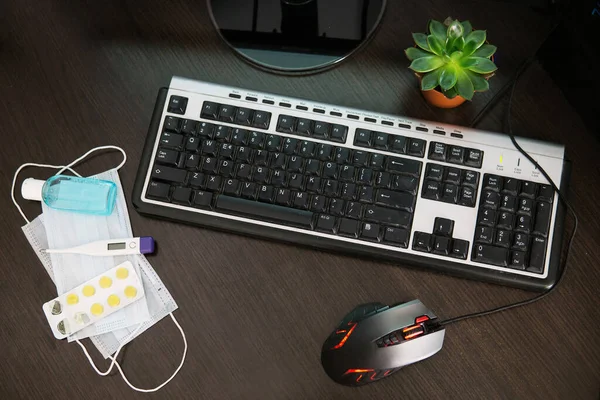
(562, 198)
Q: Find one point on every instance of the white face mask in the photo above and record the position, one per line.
(57, 229)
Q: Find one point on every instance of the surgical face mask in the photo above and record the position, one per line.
(58, 229)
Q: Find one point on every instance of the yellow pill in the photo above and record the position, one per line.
(130, 291)
(113, 300)
(88, 291)
(122, 273)
(97, 309)
(72, 298)
(105, 282)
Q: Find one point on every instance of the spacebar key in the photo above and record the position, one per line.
(263, 211)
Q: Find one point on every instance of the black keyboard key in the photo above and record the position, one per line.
(321, 130)
(313, 167)
(249, 190)
(517, 260)
(285, 124)
(431, 190)
(490, 200)
(188, 127)
(266, 193)
(443, 227)
(525, 206)
(383, 179)
(330, 188)
(422, 242)
(300, 200)
(338, 133)
(360, 158)
(342, 155)
(226, 113)
(528, 189)
(470, 178)
(313, 184)
(169, 174)
(239, 137)
(243, 116)
(452, 176)
(197, 179)
(417, 147)
(296, 181)
(364, 176)
(347, 173)
(450, 193)
(506, 220)
(460, 248)
(307, 149)
(380, 140)
(283, 197)
(278, 160)
(268, 212)
(158, 190)
(231, 187)
(202, 199)
(466, 197)
(256, 140)
(538, 255)
(434, 172)
(336, 207)
(490, 255)
(404, 184)
(441, 245)
(192, 143)
(222, 133)
(261, 157)
(318, 203)
(192, 161)
(370, 232)
(376, 161)
(273, 143)
(209, 147)
(209, 164)
(456, 155)
(387, 216)
(399, 200)
(330, 170)
(172, 124)
(511, 186)
(403, 166)
(492, 182)
(542, 218)
(278, 179)
(226, 151)
(486, 217)
(295, 164)
(396, 236)
(521, 242)
(474, 158)
(348, 227)
(169, 139)
(260, 175)
(508, 203)
(398, 144)
(484, 234)
(324, 152)
(205, 129)
(290, 146)
(326, 223)
(244, 154)
(168, 157)
(437, 151)
(503, 238)
(261, 119)
(353, 210)
(348, 191)
(213, 183)
(362, 138)
(304, 127)
(366, 194)
(546, 193)
(209, 110)
(523, 223)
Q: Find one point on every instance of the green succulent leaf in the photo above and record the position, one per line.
(456, 56)
(430, 81)
(455, 30)
(435, 45)
(467, 62)
(482, 65)
(452, 93)
(421, 41)
(437, 29)
(426, 64)
(458, 44)
(486, 51)
(474, 41)
(448, 77)
(480, 84)
(464, 86)
(413, 53)
(467, 28)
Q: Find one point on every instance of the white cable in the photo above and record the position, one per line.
(78, 160)
(115, 363)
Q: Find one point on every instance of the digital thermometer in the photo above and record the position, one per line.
(112, 247)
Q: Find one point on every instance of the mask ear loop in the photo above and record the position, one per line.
(115, 363)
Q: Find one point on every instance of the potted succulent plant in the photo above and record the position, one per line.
(452, 62)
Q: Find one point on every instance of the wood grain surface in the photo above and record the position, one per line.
(78, 74)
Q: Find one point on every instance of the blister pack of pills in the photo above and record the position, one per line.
(93, 300)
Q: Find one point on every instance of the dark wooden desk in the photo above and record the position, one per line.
(74, 76)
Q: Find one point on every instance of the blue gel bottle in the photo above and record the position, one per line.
(72, 193)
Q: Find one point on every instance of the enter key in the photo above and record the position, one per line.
(398, 200)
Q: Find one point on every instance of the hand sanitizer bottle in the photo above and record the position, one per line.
(72, 193)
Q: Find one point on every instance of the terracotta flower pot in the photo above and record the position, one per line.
(437, 98)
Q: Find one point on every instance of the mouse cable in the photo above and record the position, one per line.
(562, 198)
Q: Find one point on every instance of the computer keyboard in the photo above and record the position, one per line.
(445, 198)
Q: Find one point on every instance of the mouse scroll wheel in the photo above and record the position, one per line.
(412, 331)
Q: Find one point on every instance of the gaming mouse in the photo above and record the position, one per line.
(374, 341)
